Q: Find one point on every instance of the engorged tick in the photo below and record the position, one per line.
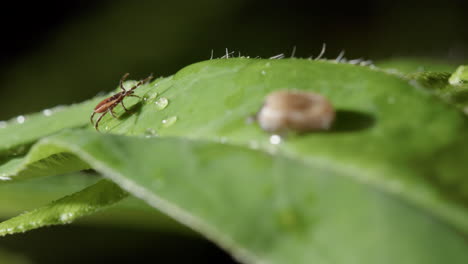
(107, 105)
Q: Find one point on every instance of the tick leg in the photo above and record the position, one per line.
(92, 122)
(126, 110)
(111, 110)
(147, 79)
(132, 95)
(98, 120)
(122, 81)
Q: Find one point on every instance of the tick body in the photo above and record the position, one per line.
(107, 105)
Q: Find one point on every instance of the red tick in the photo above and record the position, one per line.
(107, 105)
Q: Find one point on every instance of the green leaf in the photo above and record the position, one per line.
(67, 209)
(414, 65)
(391, 169)
(460, 77)
(435, 76)
(271, 208)
(449, 87)
(24, 130)
(27, 195)
(129, 212)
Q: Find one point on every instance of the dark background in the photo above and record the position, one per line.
(61, 52)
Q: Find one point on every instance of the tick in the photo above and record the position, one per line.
(107, 105)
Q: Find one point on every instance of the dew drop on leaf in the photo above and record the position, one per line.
(275, 139)
(5, 178)
(169, 121)
(20, 119)
(162, 103)
(47, 112)
(66, 217)
(152, 96)
(129, 83)
(149, 133)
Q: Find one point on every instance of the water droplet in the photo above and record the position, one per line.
(66, 217)
(20, 119)
(263, 72)
(169, 121)
(268, 64)
(149, 133)
(275, 139)
(156, 84)
(58, 108)
(3, 124)
(162, 103)
(106, 128)
(5, 178)
(152, 96)
(47, 112)
(130, 83)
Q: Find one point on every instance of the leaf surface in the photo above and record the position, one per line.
(270, 209)
(392, 168)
